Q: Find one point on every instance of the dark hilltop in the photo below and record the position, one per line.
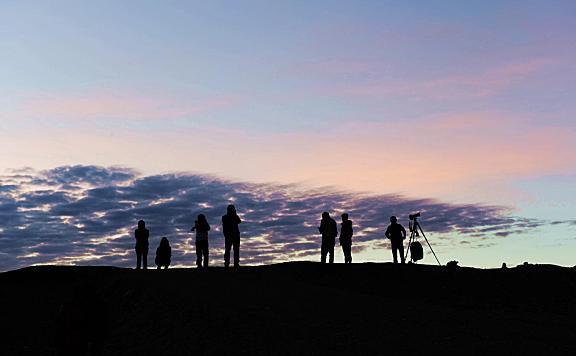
(289, 309)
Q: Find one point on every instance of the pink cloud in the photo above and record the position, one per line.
(468, 156)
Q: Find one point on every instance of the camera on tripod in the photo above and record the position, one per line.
(414, 247)
(414, 216)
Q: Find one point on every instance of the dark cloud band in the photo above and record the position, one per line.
(86, 214)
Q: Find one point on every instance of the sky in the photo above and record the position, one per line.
(112, 111)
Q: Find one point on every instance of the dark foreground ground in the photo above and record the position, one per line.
(289, 309)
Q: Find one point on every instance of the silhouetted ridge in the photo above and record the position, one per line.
(302, 308)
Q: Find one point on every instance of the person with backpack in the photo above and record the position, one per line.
(346, 233)
(141, 234)
(329, 230)
(397, 234)
(231, 232)
(201, 227)
(163, 254)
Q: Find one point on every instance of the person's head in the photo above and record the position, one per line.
(345, 217)
(201, 218)
(164, 242)
(325, 215)
(141, 224)
(231, 209)
(393, 219)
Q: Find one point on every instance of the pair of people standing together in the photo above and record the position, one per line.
(231, 232)
(230, 228)
(329, 230)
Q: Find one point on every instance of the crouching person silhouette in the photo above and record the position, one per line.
(231, 231)
(163, 254)
(201, 227)
(346, 233)
(141, 234)
(396, 233)
(329, 230)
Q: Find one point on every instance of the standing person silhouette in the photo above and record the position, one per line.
(346, 233)
(163, 254)
(201, 227)
(141, 234)
(230, 223)
(329, 230)
(396, 233)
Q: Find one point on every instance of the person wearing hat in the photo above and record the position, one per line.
(397, 234)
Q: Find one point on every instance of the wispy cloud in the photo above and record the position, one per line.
(118, 105)
(484, 83)
(86, 214)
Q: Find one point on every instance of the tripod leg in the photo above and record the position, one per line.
(439, 264)
(409, 243)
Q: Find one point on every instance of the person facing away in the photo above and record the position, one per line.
(163, 253)
(396, 233)
(329, 230)
(346, 233)
(230, 223)
(141, 234)
(201, 227)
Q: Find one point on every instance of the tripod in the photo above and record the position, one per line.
(414, 234)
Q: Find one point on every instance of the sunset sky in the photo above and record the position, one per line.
(381, 107)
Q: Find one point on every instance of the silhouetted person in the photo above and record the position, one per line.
(346, 233)
(201, 227)
(163, 254)
(329, 230)
(396, 233)
(141, 234)
(230, 223)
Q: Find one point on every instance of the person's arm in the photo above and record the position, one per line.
(238, 221)
(387, 233)
(207, 227)
(193, 228)
(403, 232)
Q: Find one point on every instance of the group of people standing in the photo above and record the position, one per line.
(328, 229)
(230, 228)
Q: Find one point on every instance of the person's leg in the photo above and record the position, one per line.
(227, 246)
(138, 258)
(145, 258)
(323, 252)
(198, 253)
(237, 252)
(394, 252)
(331, 252)
(348, 254)
(401, 250)
(205, 252)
